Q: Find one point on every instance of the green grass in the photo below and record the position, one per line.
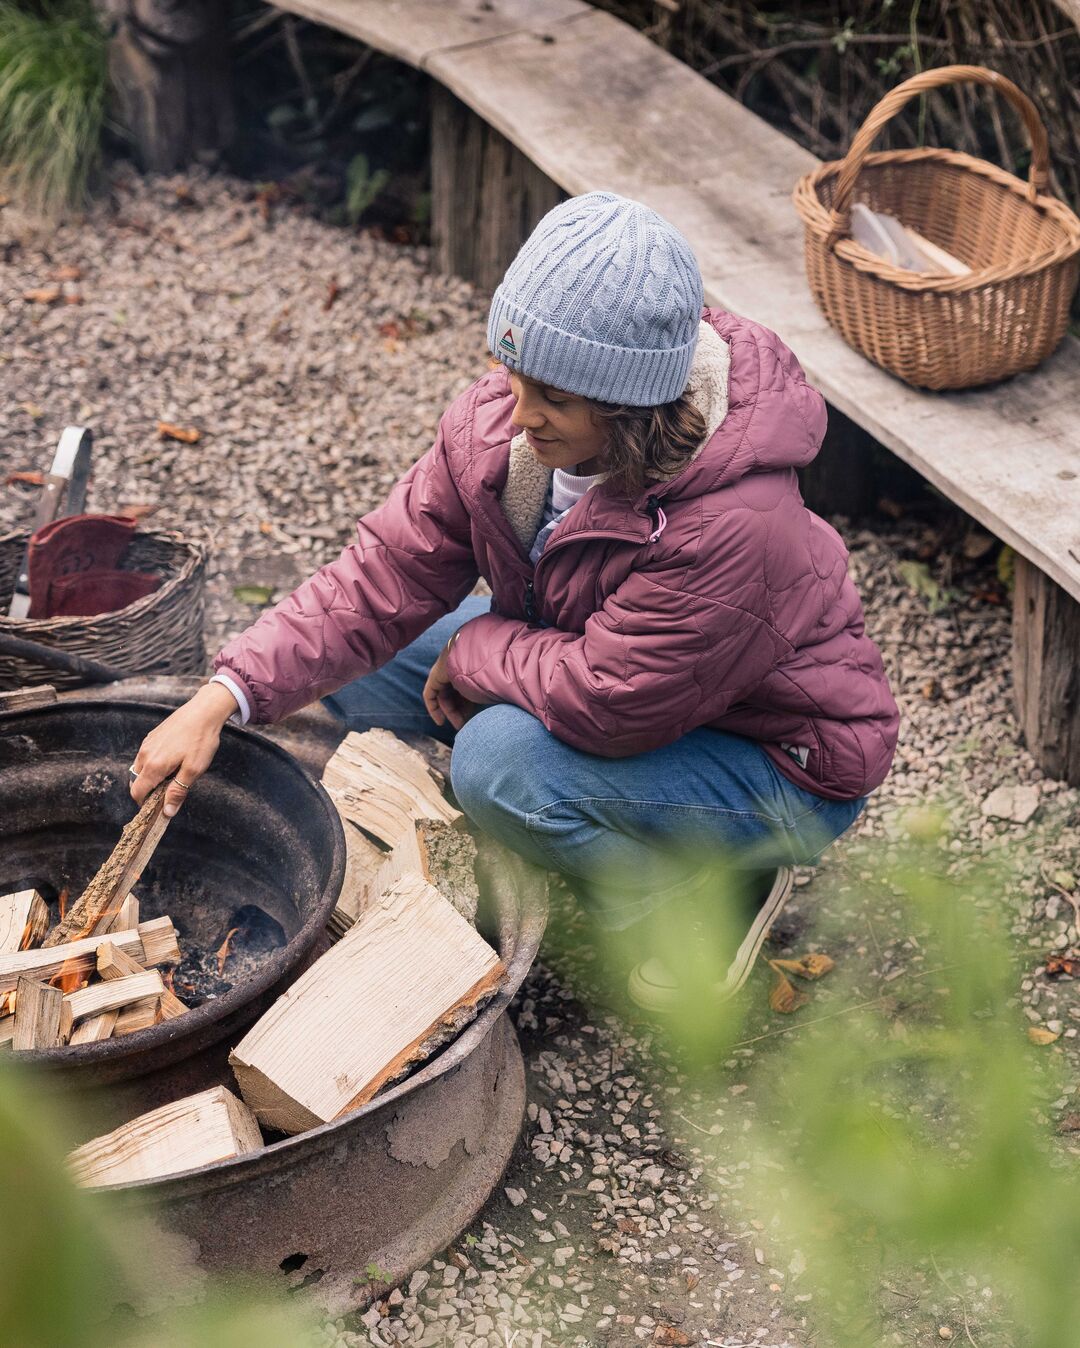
(53, 93)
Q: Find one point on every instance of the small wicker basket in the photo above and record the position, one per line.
(159, 634)
(1022, 245)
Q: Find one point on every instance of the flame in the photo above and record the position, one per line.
(62, 901)
(27, 936)
(70, 977)
(167, 976)
(225, 950)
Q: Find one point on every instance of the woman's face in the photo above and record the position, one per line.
(560, 427)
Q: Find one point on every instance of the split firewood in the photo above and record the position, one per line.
(22, 699)
(362, 862)
(38, 1009)
(125, 917)
(113, 964)
(150, 943)
(7, 1031)
(94, 1028)
(138, 1016)
(111, 995)
(119, 873)
(198, 1130)
(405, 978)
(383, 786)
(24, 919)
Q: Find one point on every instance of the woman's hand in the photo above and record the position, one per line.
(442, 699)
(182, 746)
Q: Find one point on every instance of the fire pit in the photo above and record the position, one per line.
(258, 850)
(392, 1182)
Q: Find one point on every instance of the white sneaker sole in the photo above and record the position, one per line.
(662, 997)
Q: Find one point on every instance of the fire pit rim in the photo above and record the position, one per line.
(269, 971)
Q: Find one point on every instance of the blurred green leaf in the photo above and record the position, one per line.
(253, 594)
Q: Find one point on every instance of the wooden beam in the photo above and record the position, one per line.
(119, 873)
(486, 196)
(24, 919)
(1046, 671)
(407, 976)
(151, 943)
(38, 1009)
(183, 1135)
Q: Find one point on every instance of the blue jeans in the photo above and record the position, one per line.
(628, 834)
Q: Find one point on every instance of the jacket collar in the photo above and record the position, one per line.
(527, 480)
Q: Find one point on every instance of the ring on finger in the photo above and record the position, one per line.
(184, 786)
(132, 773)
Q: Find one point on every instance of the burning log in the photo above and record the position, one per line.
(112, 995)
(24, 919)
(211, 1126)
(150, 943)
(118, 874)
(383, 786)
(407, 976)
(125, 917)
(38, 1009)
(116, 965)
(94, 1028)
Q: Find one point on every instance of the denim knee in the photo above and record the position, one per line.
(487, 766)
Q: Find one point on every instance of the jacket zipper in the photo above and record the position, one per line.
(554, 545)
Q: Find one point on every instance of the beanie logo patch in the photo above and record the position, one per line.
(511, 340)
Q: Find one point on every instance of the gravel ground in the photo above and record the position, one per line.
(315, 365)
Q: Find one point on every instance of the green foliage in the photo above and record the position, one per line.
(362, 187)
(53, 92)
(68, 1260)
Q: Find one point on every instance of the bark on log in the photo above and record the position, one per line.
(107, 891)
(1046, 671)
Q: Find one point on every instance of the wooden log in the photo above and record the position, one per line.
(404, 978)
(22, 699)
(94, 1028)
(119, 873)
(112, 995)
(138, 1016)
(196, 1131)
(362, 862)
(151, 943)
(24, 919)
(38, 1009)
(486, 196)
(1046, 671)
(383, 786)
(125, 917)
(7, 1031)
(113, 964)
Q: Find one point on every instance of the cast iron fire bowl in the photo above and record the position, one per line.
(256, 830)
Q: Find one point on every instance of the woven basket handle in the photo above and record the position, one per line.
(895, 99)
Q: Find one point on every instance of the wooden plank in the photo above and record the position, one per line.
(113, 965)
(112, 995)
(24, 914)
(408, 974)
(1046, 671)
(22, 699)
(182, 1135)
(38, 1009)
(7, 1031)
(119, 873)
(382, 785)
(152, 942)
(94, 1028)
(138, 1016)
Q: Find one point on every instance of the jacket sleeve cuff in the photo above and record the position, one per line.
(242, 704)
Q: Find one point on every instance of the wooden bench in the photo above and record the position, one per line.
(536, 98)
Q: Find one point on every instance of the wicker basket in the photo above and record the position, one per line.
(159, 634)
(1022, 245)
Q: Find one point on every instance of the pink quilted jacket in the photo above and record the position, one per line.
(715, 598)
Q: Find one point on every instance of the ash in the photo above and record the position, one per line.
(208, 972)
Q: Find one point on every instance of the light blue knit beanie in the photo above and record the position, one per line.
(603, 300)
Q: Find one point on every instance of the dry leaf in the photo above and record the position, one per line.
(1070, 1124)
(66, 272)
(814, 965)
(72, 297)
(333, 290)
(140, 511)
(224, 950)
(42, 295)
(188, 435)
(669, 1334)
(784, 996)
(1067, 964)
(29, 478)
(242, 234)
(1039, 1034)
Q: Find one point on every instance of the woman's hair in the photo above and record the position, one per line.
(649, 442)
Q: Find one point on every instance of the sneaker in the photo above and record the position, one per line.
(654, 987)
